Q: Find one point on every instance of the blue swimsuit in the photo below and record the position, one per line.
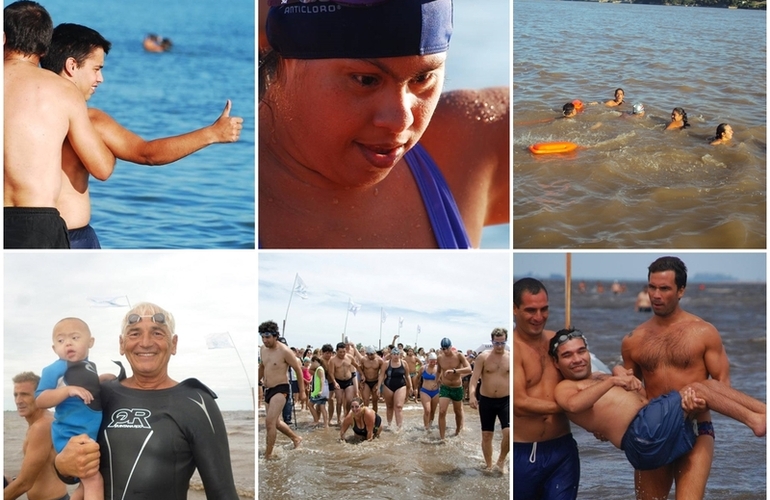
(445, 219)
(444, 216)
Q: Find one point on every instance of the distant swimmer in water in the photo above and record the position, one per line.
(636, 112)
(617, 101)
(724, 134)
(572, 108)
(643, 303)
(155, 43)
(678, 120)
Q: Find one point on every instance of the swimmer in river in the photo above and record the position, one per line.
(678, 120)
(724, 134)
(617, 101)
(569, 110)
(155, 43)
(636, 112)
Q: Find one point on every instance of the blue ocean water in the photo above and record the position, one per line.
(205, 200)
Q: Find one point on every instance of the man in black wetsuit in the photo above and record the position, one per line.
(155, 431)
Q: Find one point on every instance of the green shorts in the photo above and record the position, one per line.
(453, 393)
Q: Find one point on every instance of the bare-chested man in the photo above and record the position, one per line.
(327, 353)
(493, 368)
(452, 367)
(371, 367)
(77, 54)
(546, 462)
(37, 477)
(274, 363)
(412, 367)
(670, 350)
(342, 368)
(651, 432)
(41, 111)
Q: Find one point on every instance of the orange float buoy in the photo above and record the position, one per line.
(544, 148)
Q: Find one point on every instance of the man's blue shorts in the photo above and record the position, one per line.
(659, 434)
(546, 470)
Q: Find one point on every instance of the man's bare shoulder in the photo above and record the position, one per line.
(40, 429)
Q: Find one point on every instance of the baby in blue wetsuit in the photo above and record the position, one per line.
(71, 384)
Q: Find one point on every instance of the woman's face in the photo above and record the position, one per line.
(728, 133)
(676, 116)
(351, 120)
(619, 95)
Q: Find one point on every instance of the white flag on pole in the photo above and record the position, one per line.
(383, 315)
(354, 307)
(119, 301)
(300, 288)
(400, 321)
(219, 341)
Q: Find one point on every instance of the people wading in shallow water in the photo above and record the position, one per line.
(678, 120)
(365, 421)
(397, 384)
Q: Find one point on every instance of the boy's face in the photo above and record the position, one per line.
(72, 340)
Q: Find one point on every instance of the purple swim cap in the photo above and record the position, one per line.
(324, 29)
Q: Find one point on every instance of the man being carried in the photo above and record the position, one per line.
(653, 433)
(77, 54)
(41, 111)
(670, 350)
(274, 362)
(37, 477)
(452, 366)
(493, 368)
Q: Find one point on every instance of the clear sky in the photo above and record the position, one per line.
(206, 291)
(459, 295)
(632, 266)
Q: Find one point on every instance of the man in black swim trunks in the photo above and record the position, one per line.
(493, 368)
(342, 368)
(275, 361)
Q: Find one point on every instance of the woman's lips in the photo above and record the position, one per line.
(382, 156)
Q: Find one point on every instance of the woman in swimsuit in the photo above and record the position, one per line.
(678, 119)
(397, 385)
(724, 134)
(365, 421)
(345, 124)
(429, 390)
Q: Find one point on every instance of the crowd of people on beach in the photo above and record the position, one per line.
(679, 120)
(352, 381)
(655, 405)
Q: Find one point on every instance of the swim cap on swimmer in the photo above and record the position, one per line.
(578, 104)
(638, 108)
(355, 29)
(370, 350)
(432, 356)
(446, 343)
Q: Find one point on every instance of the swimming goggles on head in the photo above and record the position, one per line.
(565, 337)
(158, 318)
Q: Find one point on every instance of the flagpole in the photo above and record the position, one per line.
(345, 328)
(416, 335)
(253, 405)
(380, 344)
(293, 287)
(568, 292)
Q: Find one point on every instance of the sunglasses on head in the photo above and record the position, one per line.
(158, 318)
(263, 335)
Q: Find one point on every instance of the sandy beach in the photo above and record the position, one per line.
(240, 432)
